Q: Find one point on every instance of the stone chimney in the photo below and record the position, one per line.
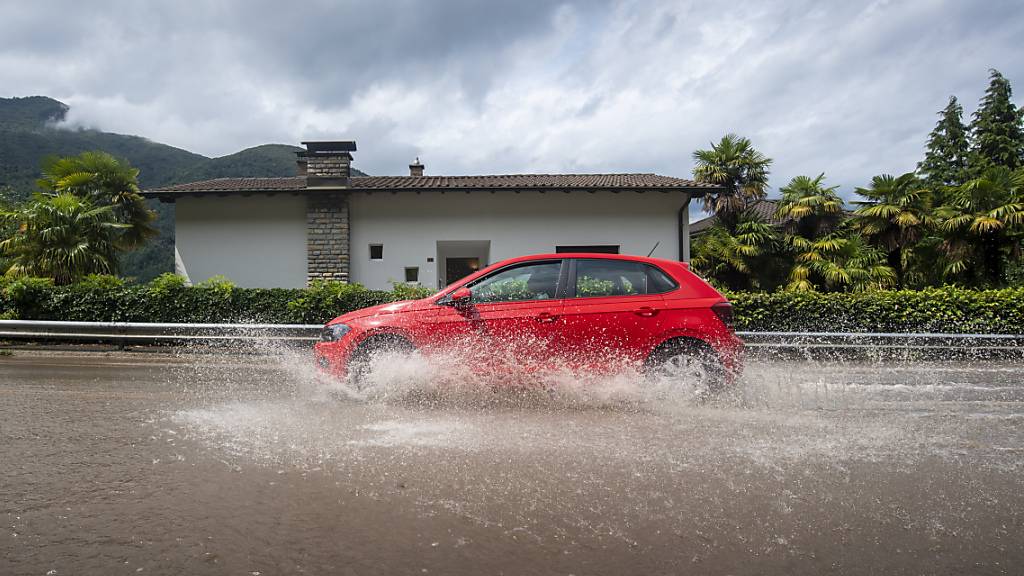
(416, 169)
(300, 163)
(328, 164)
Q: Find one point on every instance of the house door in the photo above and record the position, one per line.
(457, 259)
(458, 268)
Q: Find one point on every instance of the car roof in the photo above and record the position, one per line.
(593, 255)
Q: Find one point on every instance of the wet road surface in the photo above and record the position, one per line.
(201, 464)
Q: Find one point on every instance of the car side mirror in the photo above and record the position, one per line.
(461, 297)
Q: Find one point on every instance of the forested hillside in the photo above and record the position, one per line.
(29, 133)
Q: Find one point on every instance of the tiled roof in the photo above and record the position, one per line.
(503, 181)
(520, 181)
(764, 209)
(291, 183)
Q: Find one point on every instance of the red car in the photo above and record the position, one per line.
(593, 312)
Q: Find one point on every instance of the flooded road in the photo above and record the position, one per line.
(202, 464)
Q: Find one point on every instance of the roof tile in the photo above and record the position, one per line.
(501, 181)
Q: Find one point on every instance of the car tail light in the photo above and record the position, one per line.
(724, 312)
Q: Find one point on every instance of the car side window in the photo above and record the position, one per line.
(619, 278)
(534, 281)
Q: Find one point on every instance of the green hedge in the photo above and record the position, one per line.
(946, 309)
(167, 299)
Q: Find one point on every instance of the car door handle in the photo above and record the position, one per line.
(546, 317)
(645, 311)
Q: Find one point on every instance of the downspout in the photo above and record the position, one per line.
(684, 230)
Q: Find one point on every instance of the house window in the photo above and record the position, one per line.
(412, 275)
(376, 251)
(592, 249)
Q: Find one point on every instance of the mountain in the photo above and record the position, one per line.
(29, 133)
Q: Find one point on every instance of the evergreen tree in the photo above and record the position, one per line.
(945, 162)
(997, 133)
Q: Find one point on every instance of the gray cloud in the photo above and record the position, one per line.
(849, 89)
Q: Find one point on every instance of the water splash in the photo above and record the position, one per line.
(264, 402)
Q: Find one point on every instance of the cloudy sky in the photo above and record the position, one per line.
(472, 87)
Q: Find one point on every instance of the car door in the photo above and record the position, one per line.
(613, 313)
(513, 317)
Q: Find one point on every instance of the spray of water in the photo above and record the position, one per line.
(264, 401)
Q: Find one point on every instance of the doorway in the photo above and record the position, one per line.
(458, 268)
(457, 259)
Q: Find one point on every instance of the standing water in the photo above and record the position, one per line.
(253, 463)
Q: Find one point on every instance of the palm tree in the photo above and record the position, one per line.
(104, 181)
(983, 222)
(63, 237)
(838, 262)
(808, 208)
(896, 215)
(737, 260)
(742, 171)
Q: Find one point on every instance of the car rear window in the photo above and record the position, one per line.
(619, 278)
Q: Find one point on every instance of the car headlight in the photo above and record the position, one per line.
(334, 332)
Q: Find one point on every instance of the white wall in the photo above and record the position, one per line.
(256, 241)
(409, 225)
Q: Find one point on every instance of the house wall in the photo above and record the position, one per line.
(256, 241)
(409, 225)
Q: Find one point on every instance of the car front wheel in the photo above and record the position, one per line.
(361, 362)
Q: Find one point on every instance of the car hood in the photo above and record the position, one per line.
(380, 310)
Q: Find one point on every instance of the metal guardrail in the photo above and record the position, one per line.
(883, 340)
(147, 333)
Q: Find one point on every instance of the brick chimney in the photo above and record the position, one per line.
(416, 169)
(328, 164)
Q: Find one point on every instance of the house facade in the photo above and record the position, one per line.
(325, 224)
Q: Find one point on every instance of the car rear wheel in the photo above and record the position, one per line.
(360, 364)
(686, 367)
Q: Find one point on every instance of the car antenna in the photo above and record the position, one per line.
(653, 249)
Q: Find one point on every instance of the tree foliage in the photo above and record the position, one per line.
(739, 261)
(896, 214)
(89, 209)
(742, 171)
(997, 133)
(945, 161)
(983, 225)
(63, 237)
(103, 180)
(958, 220)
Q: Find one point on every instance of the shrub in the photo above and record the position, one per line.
(168, 299)
(101, 282)
(946, 309)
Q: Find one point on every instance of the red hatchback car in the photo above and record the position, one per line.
(592, 312)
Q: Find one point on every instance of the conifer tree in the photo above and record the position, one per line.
(997, 133)
(945, 162)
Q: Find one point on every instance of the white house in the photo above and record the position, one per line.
(432, 230)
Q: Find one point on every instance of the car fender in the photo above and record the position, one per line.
(680, 332)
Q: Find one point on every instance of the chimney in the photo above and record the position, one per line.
(300, 163)
(416, 169)
(328, 164)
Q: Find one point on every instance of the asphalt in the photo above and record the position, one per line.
(199, 463)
